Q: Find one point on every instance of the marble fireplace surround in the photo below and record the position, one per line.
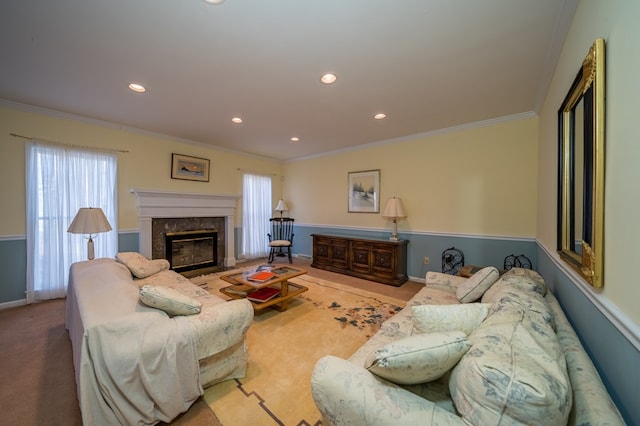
(153, 204)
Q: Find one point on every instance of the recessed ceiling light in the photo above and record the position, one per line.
(295, 139)
(213, 1)
(137, 87)
(328, 78)
(237, 120)
(380, 116)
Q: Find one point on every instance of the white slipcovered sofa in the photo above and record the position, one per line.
(509, 358)
(138, 364)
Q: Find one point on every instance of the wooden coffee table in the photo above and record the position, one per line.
(241, 283)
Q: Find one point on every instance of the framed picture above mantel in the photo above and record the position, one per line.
(364, 191)
(186, 167)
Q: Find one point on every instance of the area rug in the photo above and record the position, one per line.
(330, 318)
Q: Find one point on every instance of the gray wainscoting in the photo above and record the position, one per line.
(13, 264)
(605, 335)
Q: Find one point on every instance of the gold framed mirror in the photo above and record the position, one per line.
(581, 170)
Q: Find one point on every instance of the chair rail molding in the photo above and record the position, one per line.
(629, 329)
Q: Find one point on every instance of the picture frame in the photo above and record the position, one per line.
(186, 167)
(364, 191)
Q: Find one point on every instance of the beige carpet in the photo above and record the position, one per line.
(330, 318)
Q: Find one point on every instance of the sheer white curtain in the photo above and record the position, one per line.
(59, 181)
(256, 211)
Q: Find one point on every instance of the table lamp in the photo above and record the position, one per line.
(394, 210)
(89, 220)
(281, 207)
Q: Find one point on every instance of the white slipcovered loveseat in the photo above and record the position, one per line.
(138, 364)
(510, 358)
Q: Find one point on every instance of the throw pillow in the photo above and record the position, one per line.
(474, 287)
(525, 279)
(169, 300)
(140, 266)
(531, 274)
(418, 359)
(433, 318)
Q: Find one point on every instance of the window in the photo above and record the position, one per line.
(59, 181)
(256, 211)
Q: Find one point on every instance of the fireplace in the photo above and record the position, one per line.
(163, 212)
(191, 250)
(207, 233)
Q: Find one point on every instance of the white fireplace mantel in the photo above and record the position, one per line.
(165, 204)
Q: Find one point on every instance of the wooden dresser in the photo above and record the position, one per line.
(378, 260)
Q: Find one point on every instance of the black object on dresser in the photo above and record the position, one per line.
(378, 260)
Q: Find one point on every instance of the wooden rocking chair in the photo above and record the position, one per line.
(281, 237)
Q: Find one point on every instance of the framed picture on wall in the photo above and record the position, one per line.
(364, 191)
(189, 168)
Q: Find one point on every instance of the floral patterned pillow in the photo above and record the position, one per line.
(475, 286)
(140, 266)
(169, 300)
(419, 358)
(466, 317)
(517, 277)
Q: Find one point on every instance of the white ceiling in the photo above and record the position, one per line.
(427, 64)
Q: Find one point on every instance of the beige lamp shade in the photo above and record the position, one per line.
(90, 221)
(394, 210)
(282, 206)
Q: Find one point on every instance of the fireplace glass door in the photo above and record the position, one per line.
(190, 250)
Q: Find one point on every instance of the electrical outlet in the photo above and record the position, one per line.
(426, 260)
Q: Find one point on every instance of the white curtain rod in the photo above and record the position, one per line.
(66, 144)
(255, 172)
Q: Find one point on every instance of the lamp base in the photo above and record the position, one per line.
(394, 234)
(90, 252)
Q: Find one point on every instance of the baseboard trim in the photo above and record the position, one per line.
(13, 304)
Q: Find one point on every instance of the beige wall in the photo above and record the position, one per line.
(473, 181)
(617, 23)
(147, 165)
(478, 181)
